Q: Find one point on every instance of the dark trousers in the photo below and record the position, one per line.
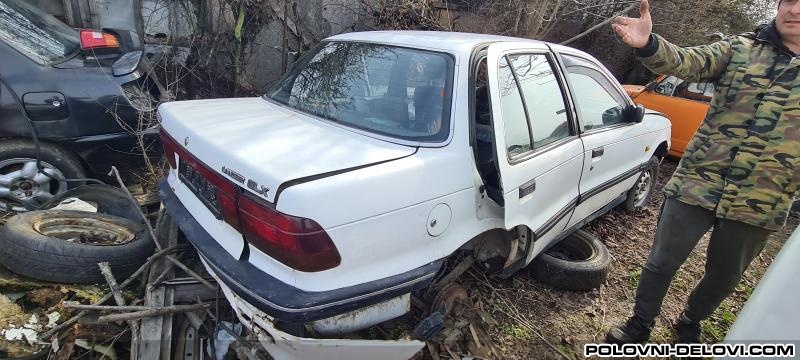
(732, 247)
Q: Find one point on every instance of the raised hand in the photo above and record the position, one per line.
(635, 32)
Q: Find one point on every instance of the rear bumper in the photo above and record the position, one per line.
(282, 345)
(276, 298)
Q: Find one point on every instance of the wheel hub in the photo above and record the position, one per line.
(643, 187)
(23, 187)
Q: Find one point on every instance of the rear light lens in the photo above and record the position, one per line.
(91, 39)
(170, 146)
(297, 242)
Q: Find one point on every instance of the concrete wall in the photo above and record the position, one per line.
(316, 19)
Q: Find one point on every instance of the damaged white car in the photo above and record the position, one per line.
(323, 205)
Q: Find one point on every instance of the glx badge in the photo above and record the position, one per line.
(259, 189)
(252, 185)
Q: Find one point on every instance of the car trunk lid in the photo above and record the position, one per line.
(262, 145)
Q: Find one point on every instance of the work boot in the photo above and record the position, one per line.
(687, 331)
(635, 330)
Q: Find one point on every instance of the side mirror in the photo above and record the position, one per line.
(635, 114)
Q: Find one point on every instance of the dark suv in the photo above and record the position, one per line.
(71, 99)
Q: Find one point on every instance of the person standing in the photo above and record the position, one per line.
(740, 172)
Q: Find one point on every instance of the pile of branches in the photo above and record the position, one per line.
(405, 15)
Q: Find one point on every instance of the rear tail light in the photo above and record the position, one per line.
(170, 147)
(297, 242)
(91, 39)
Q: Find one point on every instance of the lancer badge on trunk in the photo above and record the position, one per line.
(233, 174)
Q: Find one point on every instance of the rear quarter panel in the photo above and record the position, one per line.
(378, 217)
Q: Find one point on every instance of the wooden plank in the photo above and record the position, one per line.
(156, 332)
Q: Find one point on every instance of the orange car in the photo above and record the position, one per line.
(684, 103)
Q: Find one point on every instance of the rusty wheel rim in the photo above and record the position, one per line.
(85, 231)
(449, 296)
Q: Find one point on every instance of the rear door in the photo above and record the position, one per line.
(540, 156)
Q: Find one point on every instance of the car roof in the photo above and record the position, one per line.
(453, 42)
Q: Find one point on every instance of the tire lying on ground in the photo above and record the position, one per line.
(108, 199)
(65, 246)
(578, 262)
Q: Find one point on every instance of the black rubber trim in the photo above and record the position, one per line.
(147, 133)
(551, 223)
(610, 183)
(582, 223)
(281, 300)
(306, 179)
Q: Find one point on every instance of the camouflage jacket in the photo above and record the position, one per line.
(743, 162)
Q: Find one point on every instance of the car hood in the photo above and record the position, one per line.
(269, 144)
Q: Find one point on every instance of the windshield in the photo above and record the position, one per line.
(39, 36)
(389, 90)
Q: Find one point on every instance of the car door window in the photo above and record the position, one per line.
(668, 85)
(695, 91)
(599, 104)
(543, 98)
(39, 36)
(518, 135)
(533, 106)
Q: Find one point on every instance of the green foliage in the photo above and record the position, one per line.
(515, 331)
(633, 278)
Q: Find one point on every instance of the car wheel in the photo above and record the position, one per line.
(65, 246)
(22, 186)
(578, 262)
(639, 196)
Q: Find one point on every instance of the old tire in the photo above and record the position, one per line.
(578, 262)
(109, 200)
(640, 195)
(34, 244)
(15, 155)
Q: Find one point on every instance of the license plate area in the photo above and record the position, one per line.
(199, 186)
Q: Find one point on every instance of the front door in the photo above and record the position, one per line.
(614, 146)
(540, 156)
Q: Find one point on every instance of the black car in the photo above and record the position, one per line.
(70, 104)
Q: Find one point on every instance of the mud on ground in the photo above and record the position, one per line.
(530, 315)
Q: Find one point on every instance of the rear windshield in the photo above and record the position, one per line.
(393, 91)
(36, 34)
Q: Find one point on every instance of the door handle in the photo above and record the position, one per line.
(598, 152)
(527, 188)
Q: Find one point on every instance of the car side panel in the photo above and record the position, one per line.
(625, 151)
(686, 116)
(378, 217)
(92, 95)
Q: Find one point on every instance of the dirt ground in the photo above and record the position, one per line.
(537, 321)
